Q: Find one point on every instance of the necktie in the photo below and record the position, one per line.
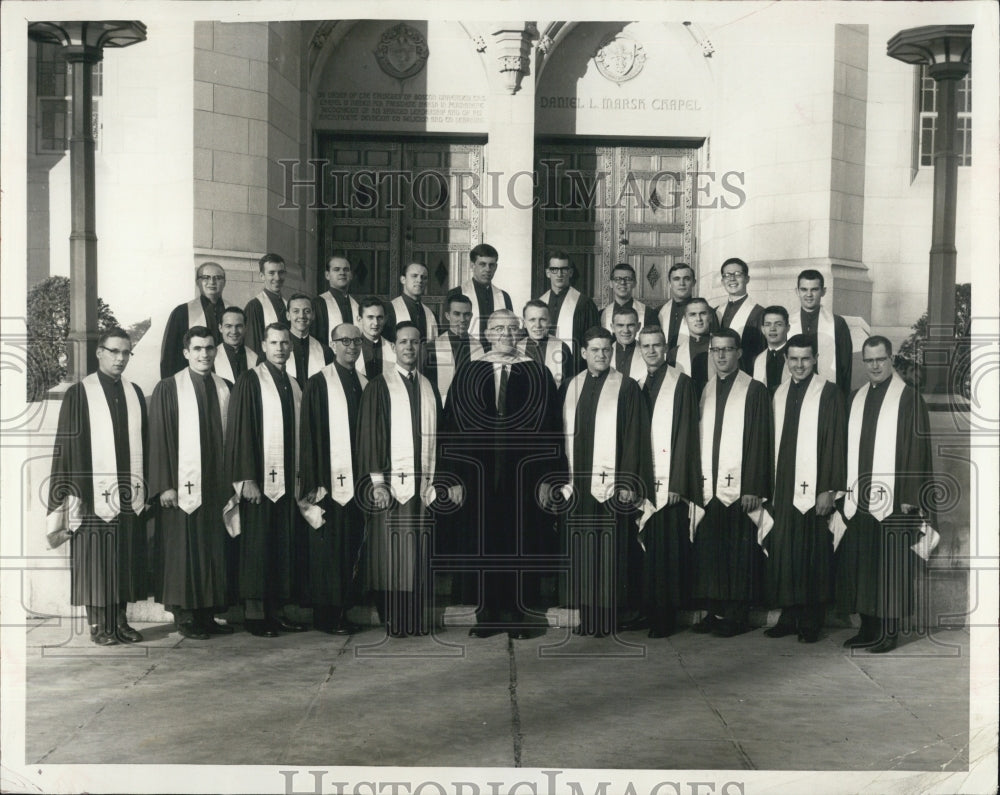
(502, 396)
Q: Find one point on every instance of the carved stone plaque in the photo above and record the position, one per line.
(402, 52)
(619, 58)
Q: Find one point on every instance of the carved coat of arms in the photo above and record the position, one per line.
(402, 52)
(619, 58)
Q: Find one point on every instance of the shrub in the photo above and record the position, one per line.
(909, 359)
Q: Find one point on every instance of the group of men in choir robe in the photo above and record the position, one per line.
(712, 461)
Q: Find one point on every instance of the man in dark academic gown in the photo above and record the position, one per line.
(834, 360)
(691, 354)
(233, 357)
(484, 296)
(571, 313)
(186, 473)
(261, 464)
(309, 355)
(666, 522)
(97, 492)
(607, 442)
(375, 348)
(671, 316)
(331, 403)
(810, 436)
(625, 323)
(736, 464)
(454, 347)
(205, 310)
(409, 304)
(740, 312)
(769, 366)
(622, 287)
(335, 306)
(397, 456)
(889, 467)
(267, 306)
(501, 437)
(540, 346)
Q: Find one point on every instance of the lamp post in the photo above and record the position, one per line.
(946, 51)
(83, 45)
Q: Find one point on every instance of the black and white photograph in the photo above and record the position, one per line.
(501, 398)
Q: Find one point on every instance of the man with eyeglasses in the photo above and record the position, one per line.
(98, 492)
(622, 286)
(186, 478)
(810, 467)
(268, 306)
(484, 296)
(570, 312)
(334, 306)
(309, 355)
(454, 346)
(769, 366)
(540, 346)
(205, 310)
(671, 316)
(607, 446)
(409, 304)
(889, 531)
(375, 348)
(501, 438)
(736, 470)
(835, 350)
(331, 403)
(691, 355)
(739, 312)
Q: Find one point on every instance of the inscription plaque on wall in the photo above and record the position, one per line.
(381, 107)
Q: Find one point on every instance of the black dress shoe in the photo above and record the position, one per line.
(103, 639)
(886, 644)
(484, 632)
(190, 630)
(287, 625)
(126, 634)
(706, 625)
(858, 641)
(809, 636)
(727, 628)
(212, 627)
(260, 629)
(780, 630)
(639, 622)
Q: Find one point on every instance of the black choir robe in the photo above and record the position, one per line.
(372, 353)
(255, 320)
(625, 358)
(108, 563)
(752, 338)
(670, 317)
(320, 327)
(667, 564)
(334, 547)
(484, 292)
(728, 560)
(536, 350)
(193, 546)
(585, 317)
(237, 358)
(460, 354)
(876, 568)
(842, 341)
(646, 318)
(416, 316)
(300, 350)
(269, 561)
(597, 581)
(172, 350)
(699, 360)
(799, 567)
(500, 461)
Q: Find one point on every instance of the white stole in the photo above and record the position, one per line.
(739, 320)
(189, 475)
(270, 316)
(727, 486)
(760, 367)
(664, 317)
(224, 369)
(401, 454)
(806, 444)
(314, 360)
(196, 313)
(341, 456)
(334, 314)
(469, 291)
(682, 361)
(444, 360)
(104, 466)
(884, 460)
(403, 313)
(554, 356)
(388, 356)
(564, 329)
(274, 434)
(607, 314)
(602, 468)
(826, 342)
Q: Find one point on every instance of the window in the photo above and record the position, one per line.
(52, 96)
(927, 117)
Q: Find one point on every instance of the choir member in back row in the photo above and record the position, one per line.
(205, 310)
(484, 295)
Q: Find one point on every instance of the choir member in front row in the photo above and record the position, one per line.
(397, 428)
(205, 310)
(889, 527)
(331, 403)
(736, 463)
(665, 526)
(97, 491)
(810, 466)
(607, 431)
(186, 419)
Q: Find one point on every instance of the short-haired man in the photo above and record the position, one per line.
(262, 465)
(454, 346)
(553, 354)
(186, 475)
(740, 312)
(375, 348)
(97, 491)
(769, 366)
(810, 467)
(268, 306)
(485, 296)
(622, 286)
(397, 426)
(833, 337)
(331, 403)
(607, 445)
(409, 305)
(571, 313)
(233, 357)
(334, 306)
(671, 317)
(691, 354)
(309, 355)
(664, 526)
(205, 310)
(889, 466)
(625, 328)
(736, 466)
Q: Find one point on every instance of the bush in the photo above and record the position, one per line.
(48, 328)
(909, 359)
